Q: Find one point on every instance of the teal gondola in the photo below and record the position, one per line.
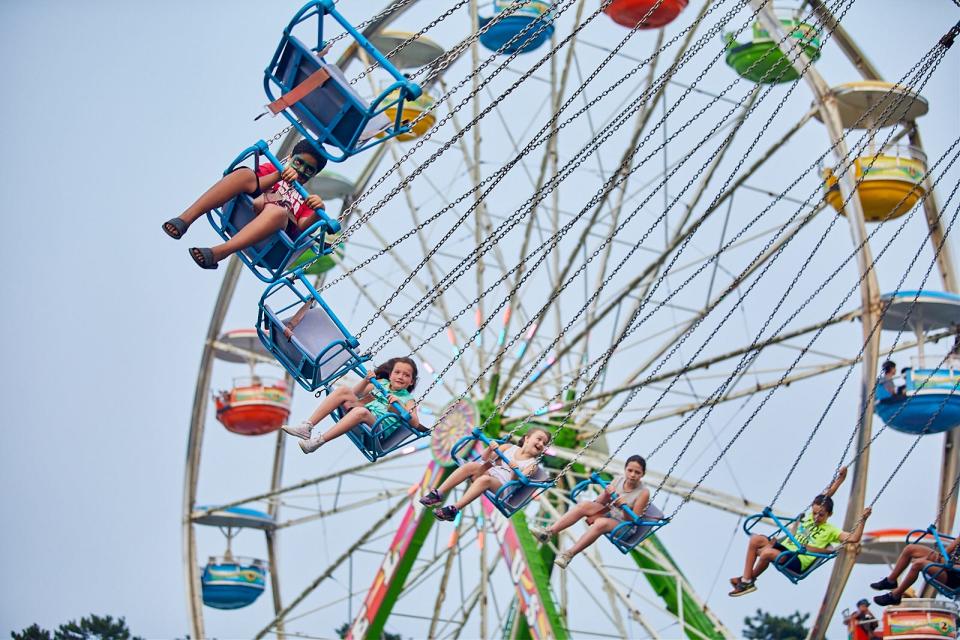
(232, 583)
(320, 102)
(271, 258)
(526, 28)
(783, 560)
(626, 535)
(930, 402)
(512, 496)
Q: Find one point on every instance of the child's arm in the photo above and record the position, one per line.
(363, 387)
(854, 536)
(640, 504)
(410, 407)
(832, 489)
(489, 455)
(952, 547)
(292, 323)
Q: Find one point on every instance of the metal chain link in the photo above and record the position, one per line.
(530, 205)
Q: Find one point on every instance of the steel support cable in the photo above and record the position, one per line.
(497, 176)
(609, 351)
(662, 395)
(876, 327)
(569, 169)
(522, 34)
(370, 259)
(459, 135)
(754, 64)
(900, 408)
(757, 410)
(511, 221)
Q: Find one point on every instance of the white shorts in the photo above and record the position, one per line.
(501, 473)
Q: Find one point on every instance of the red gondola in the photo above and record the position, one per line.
(629, 12)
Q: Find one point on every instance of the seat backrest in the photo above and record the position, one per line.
(314, 334)
(634, 534)
(335, 104)
(520, 493)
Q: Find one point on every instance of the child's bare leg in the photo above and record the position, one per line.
(227, 188)
(916, 568)
(764, 558)
(597, 529)
(757, 542)
(331, 402)
(349, 421)
(460, 475)
(476, 489)
(571, 517)
(266, 223)
(910, 553)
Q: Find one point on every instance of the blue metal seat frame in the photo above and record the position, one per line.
(784, 558)
(935, 572)
(333, 114)
(626, 535)
(370, 439)
(317, 360)
(269, 259)
(512, 496)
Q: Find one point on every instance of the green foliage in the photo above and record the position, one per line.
(765, 626)
(93, 627)
(33, 632)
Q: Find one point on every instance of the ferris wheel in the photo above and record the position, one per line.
(607, 219)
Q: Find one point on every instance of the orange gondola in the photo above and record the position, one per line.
(254, 406)
(630, 12)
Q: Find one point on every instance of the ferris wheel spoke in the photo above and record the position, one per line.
(387, 516)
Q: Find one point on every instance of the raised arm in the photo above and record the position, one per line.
(832, 489)
(292, 323)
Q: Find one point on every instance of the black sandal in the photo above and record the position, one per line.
(175, 228)
(203, 257)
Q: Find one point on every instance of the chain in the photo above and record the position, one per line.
(779, 384)
(619, 178)
(361, 220)
(632, 327)
(529, 205)
(400, 47)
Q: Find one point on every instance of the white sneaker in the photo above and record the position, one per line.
(540, 533)
(301, 431)
(311, 445)
(562, 560)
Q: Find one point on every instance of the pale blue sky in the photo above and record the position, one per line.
(116, 115)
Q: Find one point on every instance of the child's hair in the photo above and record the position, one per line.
(639, 460)
(384, 370)
(824, 501)
(523, 438)
(305, 146)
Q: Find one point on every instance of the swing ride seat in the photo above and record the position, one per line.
(942, 576)
(535, 17)
(270, 258)
(319, 101)
(320, 349)
(232, 582)
(630, 533)
(387, 433)
(785, 557)
(512, 496)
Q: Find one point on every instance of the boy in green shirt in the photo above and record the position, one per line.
(812, 531)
